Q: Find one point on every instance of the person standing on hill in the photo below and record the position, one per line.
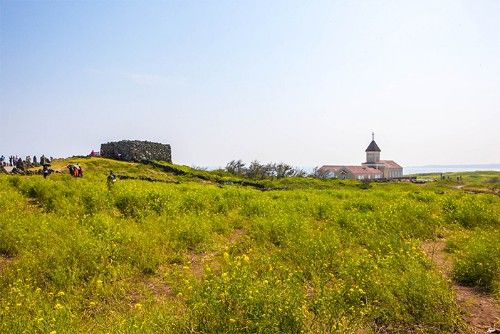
(20, 164)
(111, 179)
(45, 171)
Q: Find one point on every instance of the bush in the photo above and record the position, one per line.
(469, 211)
(477, 260)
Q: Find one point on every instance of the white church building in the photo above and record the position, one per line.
(372, 169)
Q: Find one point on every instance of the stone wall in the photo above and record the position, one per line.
(135, 150)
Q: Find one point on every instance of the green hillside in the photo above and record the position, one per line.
(171, 249)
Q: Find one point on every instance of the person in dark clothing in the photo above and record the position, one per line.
(45, 171)
(71, 169)
(20, 164)
(111, 179)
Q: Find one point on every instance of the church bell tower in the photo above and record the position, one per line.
(372, 152)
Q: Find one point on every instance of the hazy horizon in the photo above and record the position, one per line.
(287, 81)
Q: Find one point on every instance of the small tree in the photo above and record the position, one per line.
(256, 170)
(236, 167)
(269, 170)
(284, 170)
(298, 172)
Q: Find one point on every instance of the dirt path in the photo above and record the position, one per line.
(479, 311)
(470, 190)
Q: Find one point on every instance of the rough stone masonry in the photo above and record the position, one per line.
(136, 150)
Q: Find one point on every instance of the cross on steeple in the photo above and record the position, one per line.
(373, 135)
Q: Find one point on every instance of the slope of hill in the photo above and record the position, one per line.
(170, 249)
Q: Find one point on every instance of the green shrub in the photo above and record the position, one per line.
(477, 259)
(245, 298)
(469, 212)
(131, 205)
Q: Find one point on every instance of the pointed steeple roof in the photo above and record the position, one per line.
(373, 147)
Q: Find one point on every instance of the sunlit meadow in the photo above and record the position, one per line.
(205, 252)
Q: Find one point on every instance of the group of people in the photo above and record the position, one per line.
(18, 162)
(75, 170)
(447, 177)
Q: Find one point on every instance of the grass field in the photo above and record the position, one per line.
(207, 252)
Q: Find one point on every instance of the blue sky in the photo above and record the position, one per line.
(294, 81)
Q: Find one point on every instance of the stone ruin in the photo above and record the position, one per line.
(136, 150)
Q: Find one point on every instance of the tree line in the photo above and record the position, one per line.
(257, 170)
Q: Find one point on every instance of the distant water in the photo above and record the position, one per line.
(449, 168)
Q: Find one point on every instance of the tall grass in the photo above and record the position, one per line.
(477, 259)
(145, 257)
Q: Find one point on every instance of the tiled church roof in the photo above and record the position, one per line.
(330, 168)
(362, 170)
(390, 164)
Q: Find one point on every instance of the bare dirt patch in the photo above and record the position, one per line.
(197, 262)
(4, 262)
(236, 235)
(32, 204)
(142, 287)
(479, 311)
(160, 289)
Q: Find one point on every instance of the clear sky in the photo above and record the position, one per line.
(303, 82)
